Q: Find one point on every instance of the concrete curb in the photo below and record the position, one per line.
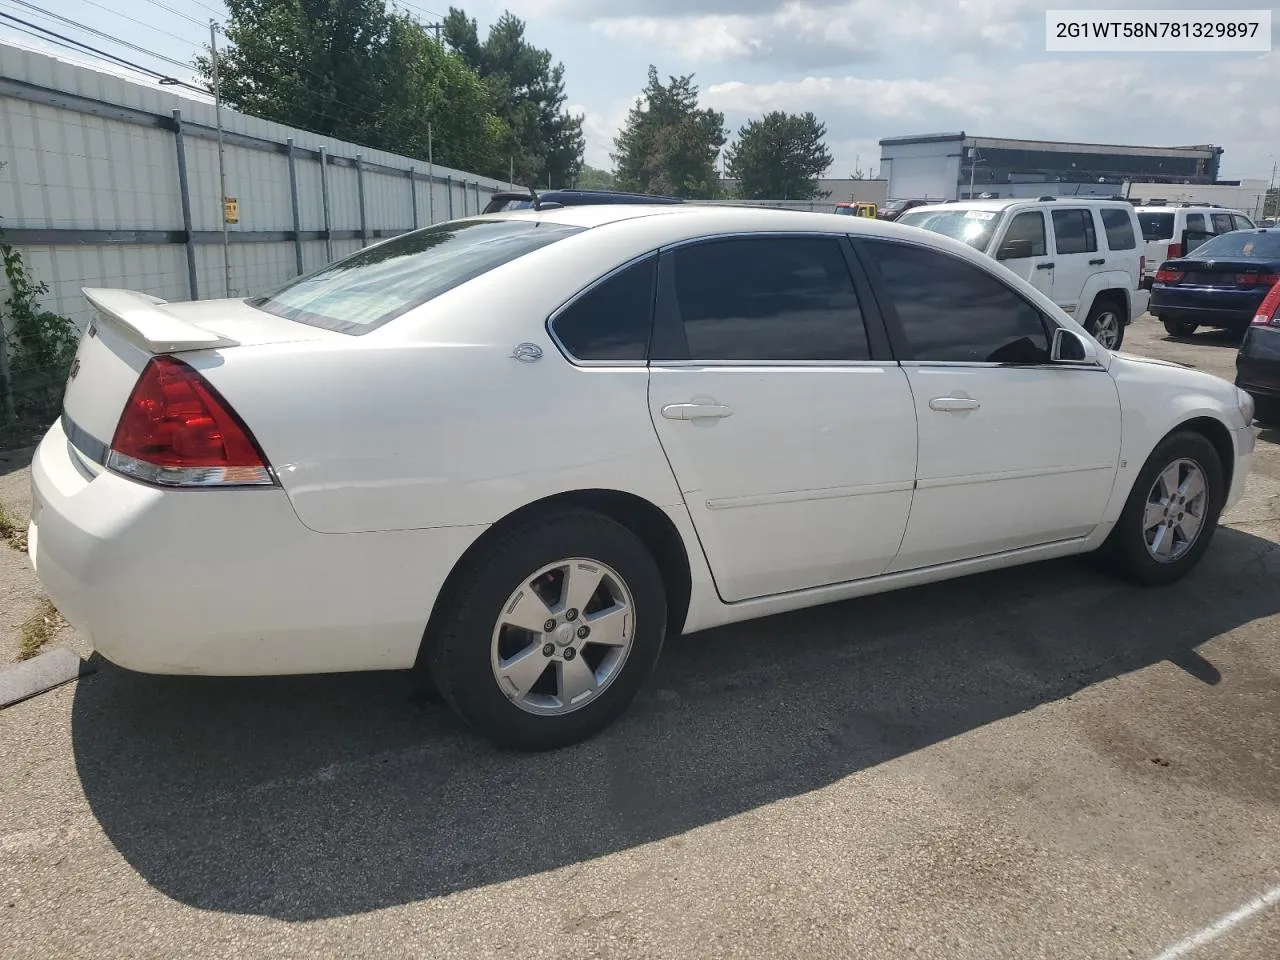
(21, 681)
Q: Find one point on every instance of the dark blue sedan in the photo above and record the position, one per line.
(1258, 360)
(1220, 285)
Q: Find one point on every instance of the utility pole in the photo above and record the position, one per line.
(222, 164)
(973, 167)
(431, 181)
(1271, 193)
(511, 173)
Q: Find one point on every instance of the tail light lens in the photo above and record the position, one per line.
(1175, 251)
(1164, 275)
(176, 430)
(1257, 279)
(1268, 314)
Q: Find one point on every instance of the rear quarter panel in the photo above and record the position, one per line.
(430, 422)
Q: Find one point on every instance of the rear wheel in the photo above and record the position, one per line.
(1106, 323)
(1179, 328)
(1171, 513)
(552, 632)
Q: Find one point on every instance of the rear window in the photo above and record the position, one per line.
(1119, 229)
(511, 203)
(972, 226)
(376, 285)
(1156, 226)
(1242, 243)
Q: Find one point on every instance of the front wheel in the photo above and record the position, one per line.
(1171, 513)
(1106, 324)
(552, 632)
(1179, 328)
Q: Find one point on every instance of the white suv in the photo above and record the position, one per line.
(1082, 252)
(1163, 225)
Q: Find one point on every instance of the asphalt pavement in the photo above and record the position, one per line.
(1040, 762)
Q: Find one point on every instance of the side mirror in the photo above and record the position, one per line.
(1071, 348)
(1014, 250)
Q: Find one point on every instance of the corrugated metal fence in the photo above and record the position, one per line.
(112, 183)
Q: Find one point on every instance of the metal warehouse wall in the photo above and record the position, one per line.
(93, 179)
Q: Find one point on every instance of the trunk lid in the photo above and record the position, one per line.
(130, 328)
(1218, 273)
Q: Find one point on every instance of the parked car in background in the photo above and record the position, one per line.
(1163, 228)
(1258, 359)
(856, 209)
(1084, 253)
(1221, 285)
(521, 199)
(893, 209)
(518, 451)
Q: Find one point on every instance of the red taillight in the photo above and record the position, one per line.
(1269, 310)
(1164, 275)
(176, 430)
(1175, 251)
(1257, 279)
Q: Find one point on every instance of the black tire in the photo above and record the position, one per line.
(1179, 328)
(458, 643)
(1109, 307)
(1126, 546)
(1266, 410)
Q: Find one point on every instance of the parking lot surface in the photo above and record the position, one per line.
(1041, 762)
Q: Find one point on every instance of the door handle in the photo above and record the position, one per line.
(1097, 263)
(1045, 266)
(953, 404)
(695, 411)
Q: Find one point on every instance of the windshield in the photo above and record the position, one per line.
(972, 226)
(894, 205)
(376, 285)
(1242, 243)
(1156, 226)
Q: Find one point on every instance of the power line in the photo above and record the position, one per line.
(143, 23)
(217, 13)
(175, 12)
(99, 33)
(69, 42)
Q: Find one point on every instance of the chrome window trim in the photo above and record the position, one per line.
(675, 364)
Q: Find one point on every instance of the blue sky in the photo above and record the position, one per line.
(867, 68)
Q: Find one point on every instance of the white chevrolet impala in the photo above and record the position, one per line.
(516, 452)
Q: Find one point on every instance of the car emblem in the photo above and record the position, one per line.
(527, 352)
(75, 368)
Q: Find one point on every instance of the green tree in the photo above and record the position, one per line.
(593, 178)
(779, 157)
(668, 145)
(352, 70)
(527, 90)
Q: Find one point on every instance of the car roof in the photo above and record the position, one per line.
(998, 204)
(1195, 207)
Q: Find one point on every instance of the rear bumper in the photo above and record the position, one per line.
(1226, 308)
(226, 582)
(1258, 362)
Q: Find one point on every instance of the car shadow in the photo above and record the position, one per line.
(315, 797)
(1208, 337)
(14, 459)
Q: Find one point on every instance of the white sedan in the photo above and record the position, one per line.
(515, 452)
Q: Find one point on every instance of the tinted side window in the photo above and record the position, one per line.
(953, 311)
(1073, 230)
(611, 320)
(1222, 223)
(1119, 229)
(1195, 221)
(1028, 226)
(768, 298)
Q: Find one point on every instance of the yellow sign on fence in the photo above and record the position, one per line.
(230, 210)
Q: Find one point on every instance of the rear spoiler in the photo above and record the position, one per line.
(142, 319)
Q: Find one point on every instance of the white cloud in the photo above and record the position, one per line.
(1135, 100)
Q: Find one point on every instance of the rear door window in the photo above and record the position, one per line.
(1074, 232)
(1156, 226)
(768, 298)
(1119, 227)
(376, 285)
